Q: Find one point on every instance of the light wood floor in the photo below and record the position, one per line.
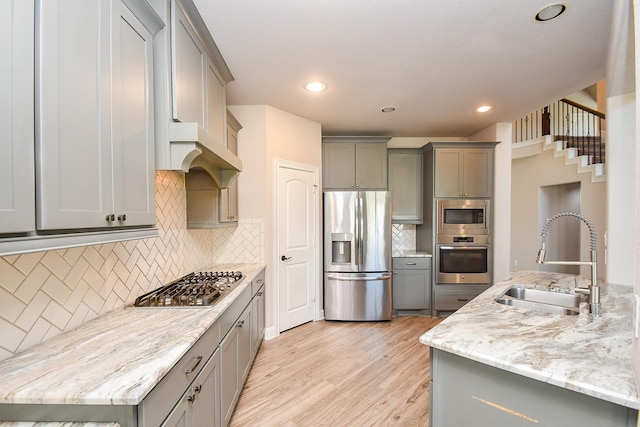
(340, 374)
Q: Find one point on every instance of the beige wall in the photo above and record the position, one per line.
(270, 134)
(528, 175)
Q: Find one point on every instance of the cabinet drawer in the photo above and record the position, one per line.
(453, 299)
(231, 314)
(412, 263)
(159, 402)
(257, 283)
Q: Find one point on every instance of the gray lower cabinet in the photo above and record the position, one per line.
(411, 283)
(200, 404)
(235, 352)
(468, 393)
(449, 298)
(202, 388)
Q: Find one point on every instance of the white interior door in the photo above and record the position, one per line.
(297, 225)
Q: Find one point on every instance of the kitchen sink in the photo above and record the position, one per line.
(541, 300)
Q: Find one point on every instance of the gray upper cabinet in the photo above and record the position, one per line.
(198, 91)
(405, 185)
(354, 163)
(463, 171)
(229, 195)
(17, 179)
(94, 128)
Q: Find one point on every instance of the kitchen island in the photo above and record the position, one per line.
(517, 366)
(108, 366)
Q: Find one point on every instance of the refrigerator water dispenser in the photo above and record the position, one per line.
(341, 248)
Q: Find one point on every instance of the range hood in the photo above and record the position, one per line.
(193, 147)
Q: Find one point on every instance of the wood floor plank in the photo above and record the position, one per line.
(340, 374)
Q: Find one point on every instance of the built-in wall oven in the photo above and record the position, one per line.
(463, 259)
(463, 217)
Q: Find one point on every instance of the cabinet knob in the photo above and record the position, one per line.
(191, 398)
(240, 324)
(259, 294)
(110, 218)
(198, 388)
(122, 217)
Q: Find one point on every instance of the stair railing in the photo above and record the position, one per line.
(577, 126)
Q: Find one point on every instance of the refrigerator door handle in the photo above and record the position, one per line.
(358, 239)
(361, 224)
(359, 279)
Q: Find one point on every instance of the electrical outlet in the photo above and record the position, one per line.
(515, 262)
(636, 316)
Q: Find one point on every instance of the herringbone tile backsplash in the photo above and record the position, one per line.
(45, 293)
(403, 237)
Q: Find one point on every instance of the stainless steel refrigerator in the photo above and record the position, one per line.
(357, 255)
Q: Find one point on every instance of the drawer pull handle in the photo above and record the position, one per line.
(198, 360)
(463, 299)
(412, 263)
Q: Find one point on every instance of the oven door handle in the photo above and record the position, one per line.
(465, 247)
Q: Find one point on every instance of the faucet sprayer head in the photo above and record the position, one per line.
(541, 254)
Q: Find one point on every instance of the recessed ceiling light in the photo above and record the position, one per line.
(483, 108)
(550, 12)
(389, 109)
(315, 86)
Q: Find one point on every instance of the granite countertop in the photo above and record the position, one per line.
(411, 253)
(581, 353)
(115, 359)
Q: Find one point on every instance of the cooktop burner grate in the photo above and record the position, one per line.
(199, 289)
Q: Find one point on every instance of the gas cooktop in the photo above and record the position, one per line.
(199, 289)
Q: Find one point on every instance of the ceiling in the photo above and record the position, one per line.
(434, 60)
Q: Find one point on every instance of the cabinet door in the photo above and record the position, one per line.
(189, 63)
(229, 196)
(371, 166)
(244, 343)
(257, 328)
(448, 172)
(206, 392)
(17, 174)
(338, 165)
(133, 144)
(478, 172)
(181, 414)
(405, 185)
(216, 104)
(73, 104)
(229, 374)
(411, 289)
(229, 203)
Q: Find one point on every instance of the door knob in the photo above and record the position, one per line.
(284, 258)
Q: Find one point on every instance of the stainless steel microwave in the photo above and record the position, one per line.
(464, 217)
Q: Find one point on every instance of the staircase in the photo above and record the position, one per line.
(570, 154)
(573, 130)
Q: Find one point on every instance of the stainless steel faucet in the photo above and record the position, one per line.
(594, 290)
